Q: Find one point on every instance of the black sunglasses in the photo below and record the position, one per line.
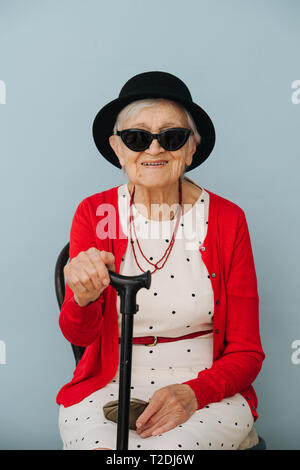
(170, 139)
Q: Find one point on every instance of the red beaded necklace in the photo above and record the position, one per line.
(170, 246)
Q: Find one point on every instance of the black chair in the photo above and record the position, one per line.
(60, 292)
(261, 445)
(78, 351)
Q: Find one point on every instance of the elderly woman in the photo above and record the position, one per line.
(196, 343)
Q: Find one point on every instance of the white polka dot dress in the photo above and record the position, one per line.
(180, 301)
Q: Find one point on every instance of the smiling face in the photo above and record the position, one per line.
(155, 119)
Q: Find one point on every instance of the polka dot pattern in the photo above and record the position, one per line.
(184, 272)
(180, 301)
(211, 427)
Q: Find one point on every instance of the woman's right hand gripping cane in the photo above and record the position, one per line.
(87, 274)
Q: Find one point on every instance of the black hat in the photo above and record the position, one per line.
(153, 85)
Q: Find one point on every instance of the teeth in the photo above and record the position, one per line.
(154, 164)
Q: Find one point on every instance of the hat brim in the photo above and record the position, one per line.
(105, 120)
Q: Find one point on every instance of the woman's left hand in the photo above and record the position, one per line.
(168, 407)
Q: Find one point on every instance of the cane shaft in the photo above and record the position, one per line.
(125, 381)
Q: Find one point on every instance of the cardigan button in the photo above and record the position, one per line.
(213, 275)
(202, 248)
(217, 331)
(217, 302)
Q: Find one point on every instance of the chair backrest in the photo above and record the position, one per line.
(59, 279)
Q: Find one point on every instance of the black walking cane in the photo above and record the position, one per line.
(127, 287)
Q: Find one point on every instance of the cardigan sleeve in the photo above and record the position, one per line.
(80, 325)
(242, 356)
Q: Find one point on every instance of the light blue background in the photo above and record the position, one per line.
(61, 61)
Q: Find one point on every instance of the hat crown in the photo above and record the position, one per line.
(156, 82)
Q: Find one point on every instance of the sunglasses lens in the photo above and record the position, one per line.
(174, 139)
(139, 140)
(136, 140)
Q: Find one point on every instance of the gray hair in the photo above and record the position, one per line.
(133, 108)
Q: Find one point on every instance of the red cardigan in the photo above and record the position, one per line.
(226, 252)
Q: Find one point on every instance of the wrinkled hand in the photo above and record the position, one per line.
(168, 407)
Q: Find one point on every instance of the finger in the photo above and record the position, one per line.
(162, 414)
(94, 281)
(85, 272)
(153, 407)
(88, 275)
(108, 259)
(162, 427)
(147, 424)
(94, 266)
(76, 285)
(167, 413)
(158, 428)
(101, 275)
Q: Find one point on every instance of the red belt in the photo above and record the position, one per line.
(153, 340)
